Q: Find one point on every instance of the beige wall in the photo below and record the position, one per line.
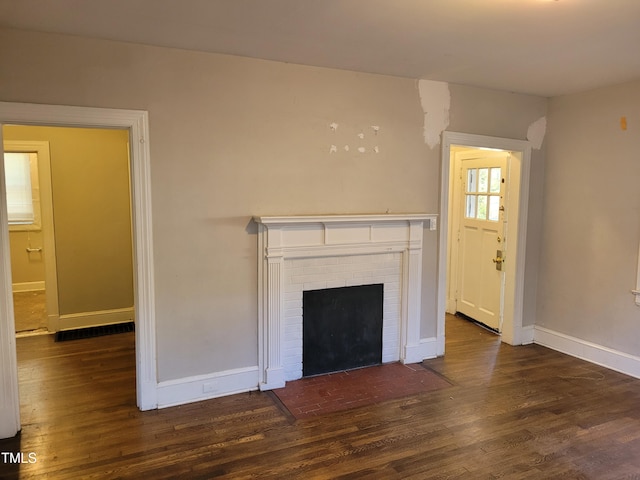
(509, 115)
(589, 250)
(92, 222)
(234, 137)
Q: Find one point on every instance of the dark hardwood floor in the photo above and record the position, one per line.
(513, 412)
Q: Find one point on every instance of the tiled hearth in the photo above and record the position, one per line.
(335, 392)
(312, 252)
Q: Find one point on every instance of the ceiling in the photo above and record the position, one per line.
(542, 47)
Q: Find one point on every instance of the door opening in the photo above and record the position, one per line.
(489, 224)
(136, 122)
(478, 243)
(90, 273)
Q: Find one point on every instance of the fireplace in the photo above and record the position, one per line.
(341, 328)
(298, 254)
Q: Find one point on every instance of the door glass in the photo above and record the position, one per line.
(470, 211)
(482, 207)
(472, 175)
(494, 208)
(496, 177)
(483, 179)
(482, 198)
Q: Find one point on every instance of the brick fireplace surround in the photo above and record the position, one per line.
(298, 253)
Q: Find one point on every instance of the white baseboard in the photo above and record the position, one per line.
(591, 352)
(204, 387)
(526, 335)
(96, 319)
(28, 286)
(428, 348)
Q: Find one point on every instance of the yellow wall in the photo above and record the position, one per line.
(92, 220)
(26, 267)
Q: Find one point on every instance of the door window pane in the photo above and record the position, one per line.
(483, 180)
(482, 207)
(494, 208)
(472, 184)
(496, 178)
(470, 211)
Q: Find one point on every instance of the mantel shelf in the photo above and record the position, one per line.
(348, 218)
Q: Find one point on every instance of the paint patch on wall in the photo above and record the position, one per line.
(623, 123)
(536, 132)
(435, 100)
(354, 139)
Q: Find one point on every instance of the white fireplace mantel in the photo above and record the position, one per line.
(340, 238)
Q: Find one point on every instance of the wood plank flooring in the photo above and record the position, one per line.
(30, 311)
(513, 412)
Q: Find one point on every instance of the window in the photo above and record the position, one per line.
(483, 193)
(23, 194)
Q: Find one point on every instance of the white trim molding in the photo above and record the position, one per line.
(9, 399)
(95, 319)
(636, 292)
(527, 335)
(334, 241)
(591, 352)
(428, 348)
(37, 286)
(205, 387)
(137, 122)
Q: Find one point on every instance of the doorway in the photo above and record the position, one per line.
(478, 242)
(510, 279)
(90, 273)
(136, 122)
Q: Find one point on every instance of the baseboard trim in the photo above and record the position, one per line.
(28, 286)
(95, 319)
(428, 348)
(205, 387)
(527, 335)
(591, 352)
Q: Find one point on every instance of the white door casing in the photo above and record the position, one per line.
(138, 124)
(480, 278)
(512, 331)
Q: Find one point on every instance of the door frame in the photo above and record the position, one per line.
(137, 122)
(41, 148)
(514, 291)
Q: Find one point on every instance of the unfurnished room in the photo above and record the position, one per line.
(320, 239)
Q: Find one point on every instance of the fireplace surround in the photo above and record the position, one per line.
(299, 253)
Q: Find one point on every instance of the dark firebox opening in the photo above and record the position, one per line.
(342, 328)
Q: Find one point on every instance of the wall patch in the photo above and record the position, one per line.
(536, 132)
(435, 100)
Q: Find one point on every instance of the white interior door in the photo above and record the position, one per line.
(481, 240)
